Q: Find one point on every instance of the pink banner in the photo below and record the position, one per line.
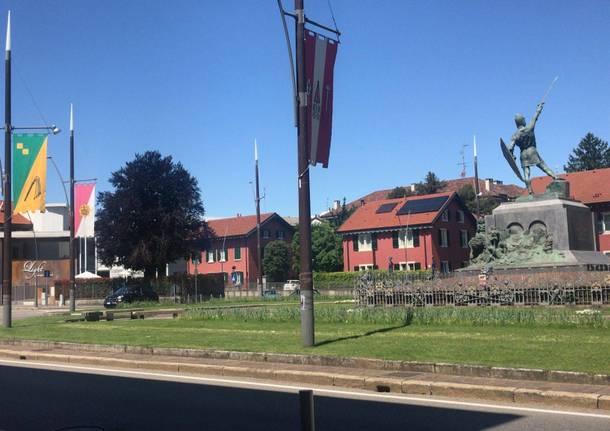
(84, 210)
(320, 54)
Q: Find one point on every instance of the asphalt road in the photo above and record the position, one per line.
(35, 398)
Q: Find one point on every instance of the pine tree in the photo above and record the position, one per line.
(591, 153)
(430, 185)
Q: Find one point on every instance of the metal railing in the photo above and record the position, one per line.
(541, 288)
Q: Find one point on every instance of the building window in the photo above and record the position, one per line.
(443, 238)
(237, 253)
(279, 234)
(407, 266)
(607, 253)
(445, 267)
(366, 267)
(266, 234)
(408, 238)
(445, 215)
(210, 256)
(464, 238)
(222, 255)
(460, 216)
(365, 242)
(606, 222)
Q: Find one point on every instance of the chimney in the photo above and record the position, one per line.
(362, 202)
(412, 187)
(488, 184)
(336, 205)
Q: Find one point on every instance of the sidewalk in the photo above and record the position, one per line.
(522, 391)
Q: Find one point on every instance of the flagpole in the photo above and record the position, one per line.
(71, 214)
(476, 177)
(7, 270)
(259, 260)
(305, 277)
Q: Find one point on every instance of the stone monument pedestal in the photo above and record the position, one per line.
(542, 230)
(569, 223)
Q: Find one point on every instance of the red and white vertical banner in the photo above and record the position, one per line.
(84, 210)
(320, 54)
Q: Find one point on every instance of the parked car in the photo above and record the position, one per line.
(291, 285)
(129, 294)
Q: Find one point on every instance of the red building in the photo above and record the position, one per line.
(231, 248)
(409, 233)
(592, 188)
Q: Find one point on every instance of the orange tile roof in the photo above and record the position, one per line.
(510, 190)
(589, 187)
(235, 226)
(366, 217)
(17, 219)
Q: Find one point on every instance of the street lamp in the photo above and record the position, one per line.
(7, 260)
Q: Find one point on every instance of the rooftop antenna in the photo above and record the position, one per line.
(463, 162)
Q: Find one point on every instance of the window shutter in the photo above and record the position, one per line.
(448, 214)
(395, 239)
(374, 241)
(415, 238)
(440, 238)
(355, 242)
(448, 237)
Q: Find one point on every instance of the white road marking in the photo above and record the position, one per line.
(371, 396)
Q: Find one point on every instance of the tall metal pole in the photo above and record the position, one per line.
(71, 215)
(477, 190)
(307, 315)
(7, 270)
(259, 250)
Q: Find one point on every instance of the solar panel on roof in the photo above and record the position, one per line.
(386, 208)
(423, 205)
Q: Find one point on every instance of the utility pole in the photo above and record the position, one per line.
(7, 264)
(305, 277)
(71, 214)
(259, 250)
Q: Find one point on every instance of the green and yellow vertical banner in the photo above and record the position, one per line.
(29, 172)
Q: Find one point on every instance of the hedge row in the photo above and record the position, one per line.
(343, 280)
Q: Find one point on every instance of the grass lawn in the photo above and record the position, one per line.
(549, 346)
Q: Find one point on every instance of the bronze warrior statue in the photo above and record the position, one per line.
(525, 139)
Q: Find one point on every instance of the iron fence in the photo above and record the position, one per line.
(509, 289)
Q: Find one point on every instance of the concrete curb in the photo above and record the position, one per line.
(375, 384)
(332, 361)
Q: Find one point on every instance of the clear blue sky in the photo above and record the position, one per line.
(200, 79)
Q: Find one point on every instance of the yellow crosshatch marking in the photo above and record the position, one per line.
(25, 151)
(19, 145)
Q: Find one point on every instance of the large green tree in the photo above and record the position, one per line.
(591, 153)
(399, 192)
(431, 184)
(468, 196)
(276, 260)
(326, 249)
(151, 216)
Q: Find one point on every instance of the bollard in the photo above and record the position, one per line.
(307, 413)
